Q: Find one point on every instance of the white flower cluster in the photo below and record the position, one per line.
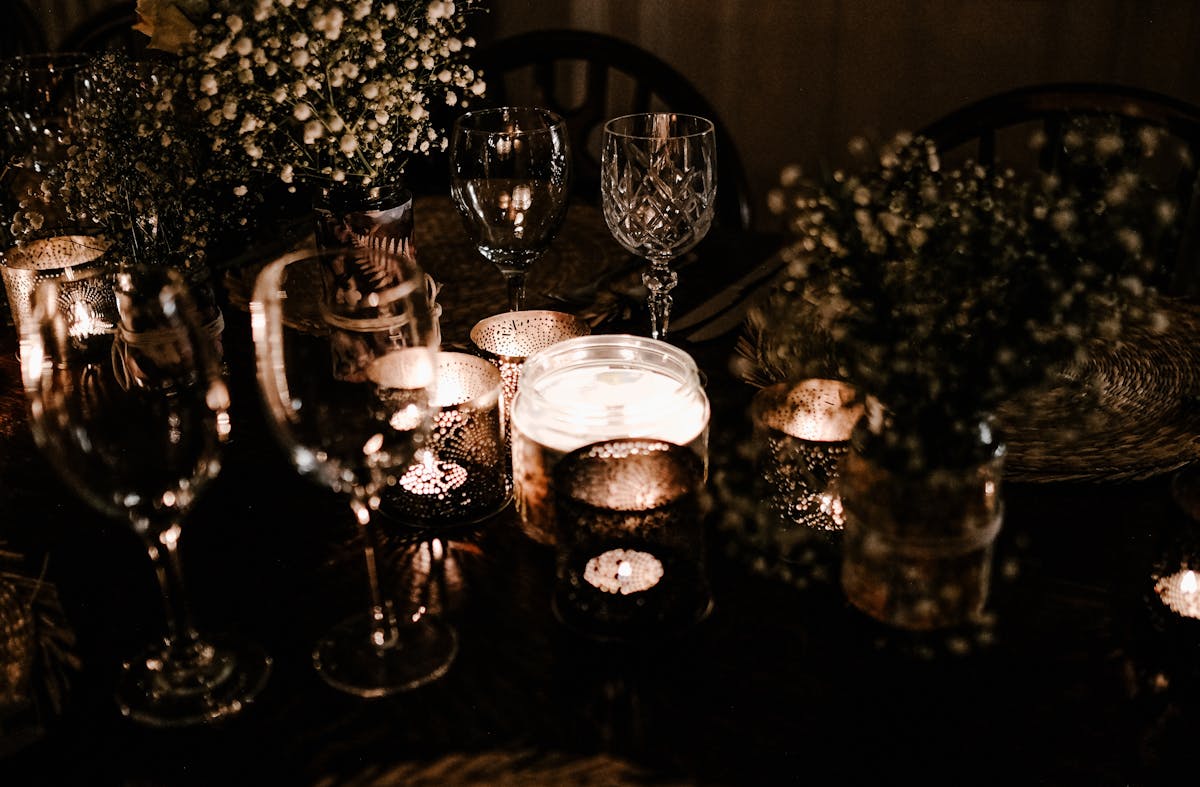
(331, 91)
(944, 290)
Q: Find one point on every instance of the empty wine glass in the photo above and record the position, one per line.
(133, 419)
(509, 175)
(346, 351)
(658, 186)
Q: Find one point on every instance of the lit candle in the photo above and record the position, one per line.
(803, 431)
(460, 474)
(595, 388)
(88, 302)
(429, 476)
(612, 402)
(623, 571)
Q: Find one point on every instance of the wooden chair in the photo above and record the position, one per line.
(998, 128)
(108, 28)
(21, 33)
(590, 77)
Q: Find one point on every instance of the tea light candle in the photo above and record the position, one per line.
(432, 477)
(623, 571)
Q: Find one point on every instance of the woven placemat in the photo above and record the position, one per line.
(522, 768)
(1130, 412)
(471, 288)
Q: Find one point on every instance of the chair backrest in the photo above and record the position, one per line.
(108, 28)
(998, 128)
(22, 32)
(590, 77)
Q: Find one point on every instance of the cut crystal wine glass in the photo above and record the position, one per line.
(346, 348)
(658, 186)
(509, 177)
(133, 418)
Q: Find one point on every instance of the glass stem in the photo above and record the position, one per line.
(516, 290)
(183, 642)
(381, 614)
(660, 279)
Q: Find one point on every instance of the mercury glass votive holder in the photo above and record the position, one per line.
(630, 555)
(507, 339)
(594, 388)
(460, 474)
(75, 263)
(802, 432)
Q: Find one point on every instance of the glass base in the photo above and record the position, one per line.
(392, 511)
(421, 653)
(220, 679)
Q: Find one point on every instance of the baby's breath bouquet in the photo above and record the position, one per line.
(944, 291)
(324, 92)
(136, 169)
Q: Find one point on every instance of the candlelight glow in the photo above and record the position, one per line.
(1180, 592)
(433, 477)
(816, 410)
(623, 571)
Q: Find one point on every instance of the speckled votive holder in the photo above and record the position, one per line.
(630, 555)
(460, 474)
(71, 260)
(507, 339)
(802, 431)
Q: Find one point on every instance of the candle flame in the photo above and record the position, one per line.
(623, 571)
(1188, 583)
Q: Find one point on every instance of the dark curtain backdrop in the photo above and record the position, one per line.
(795, 79)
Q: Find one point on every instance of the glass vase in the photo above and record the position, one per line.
(918, 541)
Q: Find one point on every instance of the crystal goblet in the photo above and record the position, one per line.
(133, 418)
(345, 342)
(658, 188)
(510, 173)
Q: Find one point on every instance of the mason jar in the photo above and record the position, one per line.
(593, 388)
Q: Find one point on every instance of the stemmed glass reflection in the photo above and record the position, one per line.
(658, 186)
(346, 349)
(509, 176)
(133, 418)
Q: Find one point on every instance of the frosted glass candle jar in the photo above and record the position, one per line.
(593, 388)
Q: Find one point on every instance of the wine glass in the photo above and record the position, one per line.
(346, 351)
(509, 175)
(658, 186)
(133, 418)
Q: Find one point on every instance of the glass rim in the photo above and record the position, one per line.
(705, 125)
(552, 118)
(483, 397)
(606, 350)
(570, 322)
